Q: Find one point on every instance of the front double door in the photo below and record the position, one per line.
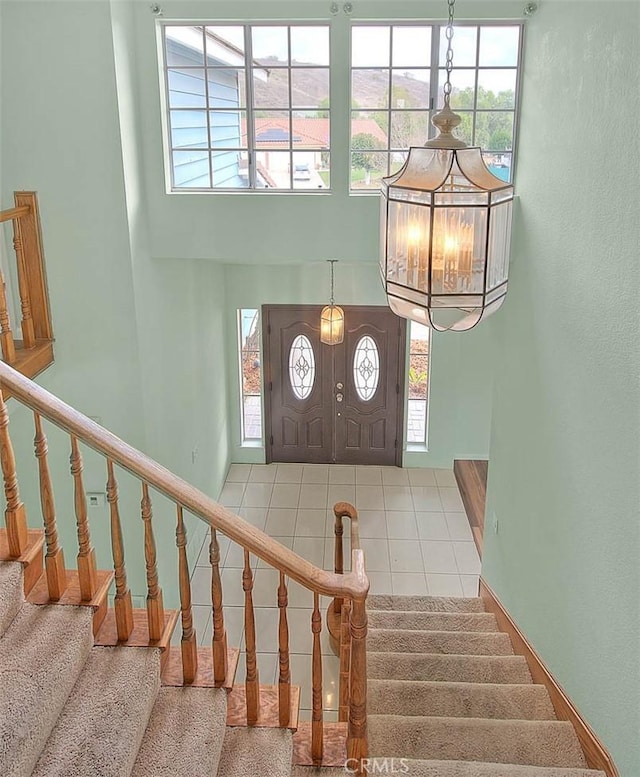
(338, 404)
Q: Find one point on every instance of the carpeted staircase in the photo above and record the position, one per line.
(70, 709)
(478, 714)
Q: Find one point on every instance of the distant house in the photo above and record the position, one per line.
(310, 138)
(189, 92)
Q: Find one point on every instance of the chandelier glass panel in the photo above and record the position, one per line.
(445, 229)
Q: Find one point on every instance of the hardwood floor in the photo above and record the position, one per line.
(471, 477)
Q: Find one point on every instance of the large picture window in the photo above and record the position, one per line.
(397, 75)
(247, 106)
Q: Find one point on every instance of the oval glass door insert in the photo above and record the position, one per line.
(366, 368)
(302, 366)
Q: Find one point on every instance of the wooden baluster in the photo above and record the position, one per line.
(338, 562)
(28, 333)
(155, 608)
(54, 560)
(345, 660)
(15, 515)
(87, 570)
(122, 603)
(284, 676)
(189, 643)
(316, 714)
(357, 731)
(6, 335)
(252, 683)
(219, 642)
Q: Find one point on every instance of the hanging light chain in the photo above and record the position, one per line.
(449, 58)
(332, 262)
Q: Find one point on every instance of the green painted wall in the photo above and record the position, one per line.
(139, 342)
(563, 479)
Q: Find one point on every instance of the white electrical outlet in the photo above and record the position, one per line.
(96, 499)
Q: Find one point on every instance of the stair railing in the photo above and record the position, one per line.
(351, 588)
(34, 351)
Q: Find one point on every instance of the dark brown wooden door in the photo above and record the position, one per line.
(334, 404)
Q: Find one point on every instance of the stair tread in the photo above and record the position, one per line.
(101, 727)
(41, 656)
(448, 667)
(433, 621)
(424, 603)
(11, 596)
(526, 742)
(183, 721)
(459, 642)
(255, 752)
(455, 699)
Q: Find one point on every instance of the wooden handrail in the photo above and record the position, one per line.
(14, 213)
(353, 585)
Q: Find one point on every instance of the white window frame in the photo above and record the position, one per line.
(435, 95)
(249, 111)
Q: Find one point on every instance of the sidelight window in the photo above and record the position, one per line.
(418, 384)
(250, 373)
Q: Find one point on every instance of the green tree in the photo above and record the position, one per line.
(363, 157)
(499, 140)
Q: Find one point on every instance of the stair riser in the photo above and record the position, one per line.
(447, 668)
(460, 700)
(424, 604)
(433, 621)
(458, 643)
(533, 743)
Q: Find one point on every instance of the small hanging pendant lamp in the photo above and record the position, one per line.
(445, 228)
(332, 318)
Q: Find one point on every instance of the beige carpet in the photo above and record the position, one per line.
(446, 698)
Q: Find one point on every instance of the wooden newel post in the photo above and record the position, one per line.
(155, 608)
(345, 661)
(188, 643)
(357, 731)
(86, 560)
(122, 603)
(54, 560)
(28, 332)
(15, 515)
(338, 557)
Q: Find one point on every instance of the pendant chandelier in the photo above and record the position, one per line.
(332, 318)
(445, 228)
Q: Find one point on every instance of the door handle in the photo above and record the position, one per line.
(339, 397)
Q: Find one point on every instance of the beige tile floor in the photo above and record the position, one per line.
(414, 533)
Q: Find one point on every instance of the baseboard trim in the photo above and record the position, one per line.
(595, 753)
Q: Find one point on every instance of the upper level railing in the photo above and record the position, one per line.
(33, 350)
(350, 587)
